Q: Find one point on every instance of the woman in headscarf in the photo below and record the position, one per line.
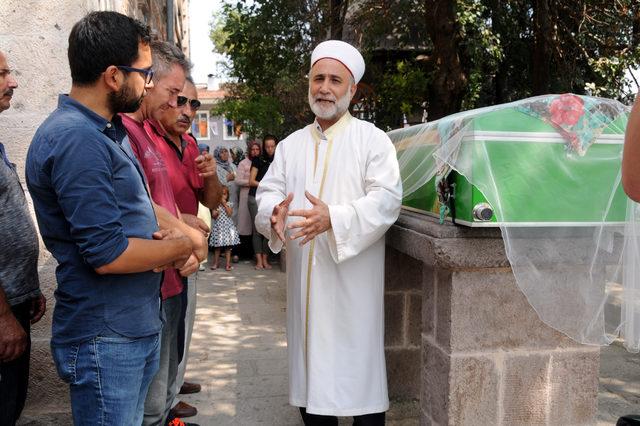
(259, 167)
(227, 175)
(237, 155)
(244, 225)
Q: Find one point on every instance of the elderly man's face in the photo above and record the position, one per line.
(164, 94)
(330, 89)
(7, 83)
(177, 121)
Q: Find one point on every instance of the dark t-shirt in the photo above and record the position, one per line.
(18, 239)
(262, 165)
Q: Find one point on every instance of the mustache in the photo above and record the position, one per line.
(184, 118)
(324, 98)
(8, 92)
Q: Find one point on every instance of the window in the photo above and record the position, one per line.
(232, 130)
(200, 125)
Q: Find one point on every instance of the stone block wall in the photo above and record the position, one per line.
(485, 356)
(403, 319)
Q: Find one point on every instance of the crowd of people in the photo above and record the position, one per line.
(120, 190)
(233, 223)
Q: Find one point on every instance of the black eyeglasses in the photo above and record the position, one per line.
(193, 103)
(148, 73)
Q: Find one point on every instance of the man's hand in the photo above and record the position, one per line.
(206, 165)
(37, 309)
(13, 339)
(196, 222)
(315, 222)
(279, 216)
(190, 267)
(172, 234)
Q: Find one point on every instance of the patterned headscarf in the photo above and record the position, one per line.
(237, 155)
(219, 161)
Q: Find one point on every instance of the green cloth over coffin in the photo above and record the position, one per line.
(552, 160)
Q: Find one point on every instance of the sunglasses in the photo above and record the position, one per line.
(148, 73)
(193, 103)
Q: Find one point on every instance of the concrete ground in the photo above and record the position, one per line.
(238, 354)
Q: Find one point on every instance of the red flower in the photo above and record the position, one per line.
(566, 109)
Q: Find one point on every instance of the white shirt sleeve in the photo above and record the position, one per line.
(357, 225)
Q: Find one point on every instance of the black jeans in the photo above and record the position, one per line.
(14, 375)
(375, 419)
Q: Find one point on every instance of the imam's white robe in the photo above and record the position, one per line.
(340, 368)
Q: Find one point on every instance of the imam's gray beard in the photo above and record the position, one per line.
(333, 111)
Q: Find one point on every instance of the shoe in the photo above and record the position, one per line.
(182, 409)
(629, 420)
(201, 267)
(190, 388)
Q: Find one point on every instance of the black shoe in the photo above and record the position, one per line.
(629, 420)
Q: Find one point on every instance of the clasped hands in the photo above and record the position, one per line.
(314, 221)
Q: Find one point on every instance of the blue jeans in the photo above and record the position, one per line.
(108, 377)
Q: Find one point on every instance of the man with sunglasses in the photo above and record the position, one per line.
(188, 191)
(96, 218)
(170, 68)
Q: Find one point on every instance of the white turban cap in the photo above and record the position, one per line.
(342, 52)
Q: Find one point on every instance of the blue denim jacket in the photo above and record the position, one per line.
(89, 195)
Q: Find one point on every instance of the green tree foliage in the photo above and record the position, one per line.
(268, 43)
(438, 56)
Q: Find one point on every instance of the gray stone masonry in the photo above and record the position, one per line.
(462, 338)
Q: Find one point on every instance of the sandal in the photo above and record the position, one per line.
(213, 267)
(228, 267)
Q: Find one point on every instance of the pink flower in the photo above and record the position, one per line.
(566, 109)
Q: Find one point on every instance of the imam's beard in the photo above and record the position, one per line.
(330, 111)
(124, 100)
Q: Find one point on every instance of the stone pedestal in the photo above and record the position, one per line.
(463, 339)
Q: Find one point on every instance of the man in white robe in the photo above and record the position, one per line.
(330, 195)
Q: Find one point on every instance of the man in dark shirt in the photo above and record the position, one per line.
(21, 302)
(97, 219)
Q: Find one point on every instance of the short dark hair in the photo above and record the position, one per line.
(164, 55)
(101, 39)
(269, 136)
